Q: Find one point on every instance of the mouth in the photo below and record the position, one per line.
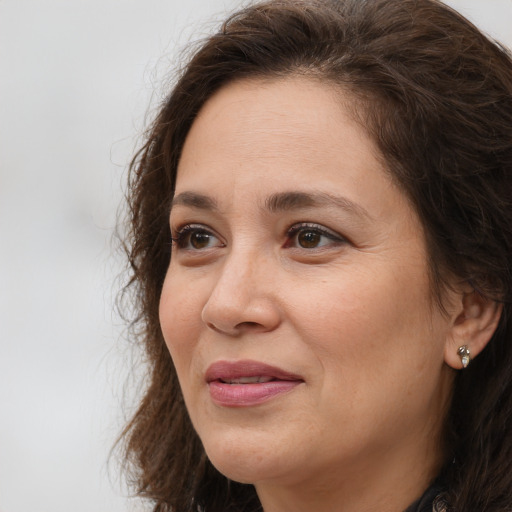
(247, 383)
(247, 380)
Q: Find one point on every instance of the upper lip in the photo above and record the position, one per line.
(229, 370)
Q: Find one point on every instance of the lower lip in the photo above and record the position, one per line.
(247, 395)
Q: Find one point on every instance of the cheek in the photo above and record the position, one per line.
(371, 328)
(180, 320)
(365, 305)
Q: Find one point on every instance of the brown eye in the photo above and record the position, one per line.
(312, 236)
(309, 239)
(194, 238)
(200, 239)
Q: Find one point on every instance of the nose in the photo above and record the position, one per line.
(243, 299)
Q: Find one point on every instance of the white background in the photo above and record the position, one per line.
(76, 78)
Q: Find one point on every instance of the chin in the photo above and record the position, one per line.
(245, 460)
(238, 473)
(241, 468)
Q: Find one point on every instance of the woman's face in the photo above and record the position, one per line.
(297, 306)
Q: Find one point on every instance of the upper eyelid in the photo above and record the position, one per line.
(190, 226)
(310, 225)
(314, 226)
(186, 226)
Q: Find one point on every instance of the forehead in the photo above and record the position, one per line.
(270, 135)
(292, 116)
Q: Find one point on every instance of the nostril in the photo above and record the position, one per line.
(213, 327)
(238, 329)
(240, 326)
(245, 326)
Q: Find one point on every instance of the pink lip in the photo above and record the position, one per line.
(228, 394)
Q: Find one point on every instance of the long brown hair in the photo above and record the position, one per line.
(436, 96)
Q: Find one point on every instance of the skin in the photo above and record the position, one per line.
(343, 301)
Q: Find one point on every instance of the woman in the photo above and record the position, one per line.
(321, 237)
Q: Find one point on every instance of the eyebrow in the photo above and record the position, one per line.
(279, 202)
(286, 201)
(194, 200)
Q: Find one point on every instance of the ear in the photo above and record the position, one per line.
(475, 322)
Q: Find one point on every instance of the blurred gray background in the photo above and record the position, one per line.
(76, 80)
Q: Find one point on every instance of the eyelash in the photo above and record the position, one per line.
(182, 236)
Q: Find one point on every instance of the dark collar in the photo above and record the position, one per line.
(431, 501)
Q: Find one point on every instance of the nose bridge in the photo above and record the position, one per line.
(236, 281)
(242, 296)
(245, 262)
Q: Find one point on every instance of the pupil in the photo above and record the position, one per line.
(199, 240)
(309, 239)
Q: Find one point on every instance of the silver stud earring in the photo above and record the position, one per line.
(464, 355)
